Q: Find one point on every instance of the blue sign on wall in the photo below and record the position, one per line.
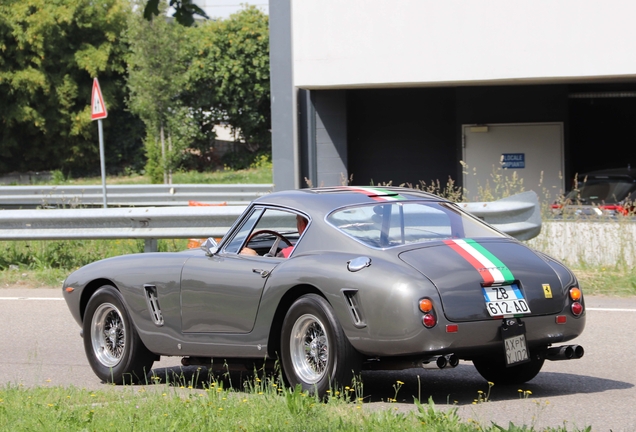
(513, 160)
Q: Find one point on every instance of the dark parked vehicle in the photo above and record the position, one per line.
(375, 278)
(608, 192)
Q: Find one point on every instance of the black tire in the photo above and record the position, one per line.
(496, 371)
(315, 351)
(113, 348)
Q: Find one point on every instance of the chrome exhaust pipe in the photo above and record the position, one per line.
(578, 351)
(565, 352)
(440, 362)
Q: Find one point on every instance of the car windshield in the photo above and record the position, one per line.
(398, 223)
(601, 190)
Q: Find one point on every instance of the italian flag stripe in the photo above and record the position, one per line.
(491, 269)
(378, 194)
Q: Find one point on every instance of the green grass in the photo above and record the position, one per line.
(260, 173)
(47, 263)
(262, 405)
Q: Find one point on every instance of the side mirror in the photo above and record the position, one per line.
(210, 246)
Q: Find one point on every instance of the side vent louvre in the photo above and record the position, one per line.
(153, 304)
(351, 296)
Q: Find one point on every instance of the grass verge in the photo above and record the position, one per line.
(262, 406)
(259, 174)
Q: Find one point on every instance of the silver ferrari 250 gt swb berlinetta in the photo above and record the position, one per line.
(328, 282)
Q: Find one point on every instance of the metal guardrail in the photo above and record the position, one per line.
(157, 195)
(517, 215)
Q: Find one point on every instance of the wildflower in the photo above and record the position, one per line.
(400, 382)
(163, 394)
(490, 383)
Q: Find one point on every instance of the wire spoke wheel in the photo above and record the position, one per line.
(111, 342)
(108, 334)
(309, 347)
(315, 351)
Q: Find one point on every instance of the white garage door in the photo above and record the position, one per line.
(534, 151)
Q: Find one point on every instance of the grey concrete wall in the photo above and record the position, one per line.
(284, 147)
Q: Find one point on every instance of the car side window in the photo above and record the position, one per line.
(275, 234)
(234, 246)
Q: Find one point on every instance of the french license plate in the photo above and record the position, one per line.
(506, 301)
(515, 347)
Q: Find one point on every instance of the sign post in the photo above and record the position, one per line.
(98, 112)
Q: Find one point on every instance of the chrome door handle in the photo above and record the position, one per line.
(263, 273)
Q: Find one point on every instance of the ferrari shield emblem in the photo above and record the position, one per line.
(547, 292)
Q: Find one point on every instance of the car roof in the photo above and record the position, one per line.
(625, 173)
(325, 199)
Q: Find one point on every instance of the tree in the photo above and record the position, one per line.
(50, 53)
(184, 11)
(156, 73)
(228, 76)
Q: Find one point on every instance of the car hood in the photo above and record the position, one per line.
(460, 276)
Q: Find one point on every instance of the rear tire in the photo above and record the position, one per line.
(315, 352)
(496, 371)
(113, 348)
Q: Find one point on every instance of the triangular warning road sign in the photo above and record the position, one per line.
(98, 108)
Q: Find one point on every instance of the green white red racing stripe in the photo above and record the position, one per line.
(491, 269)
(377, 194)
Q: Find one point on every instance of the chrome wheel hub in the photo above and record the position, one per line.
(309, 347)
(108, 335)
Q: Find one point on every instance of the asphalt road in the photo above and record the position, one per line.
(40, 345)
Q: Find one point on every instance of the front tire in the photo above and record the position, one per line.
(498, 373)
(315, 352)
(113, 347)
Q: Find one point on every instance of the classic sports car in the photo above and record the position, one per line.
(376, 278)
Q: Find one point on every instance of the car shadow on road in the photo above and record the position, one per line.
(460, 386)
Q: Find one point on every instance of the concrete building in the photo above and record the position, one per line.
(405, 91)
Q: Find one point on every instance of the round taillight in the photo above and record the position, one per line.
(575, 294)
(429, 320)
(577, 308)
(426, 305)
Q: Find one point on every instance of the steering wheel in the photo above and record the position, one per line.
(279, 237)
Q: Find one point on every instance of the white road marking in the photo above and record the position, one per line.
(610, 309)
(31, 298)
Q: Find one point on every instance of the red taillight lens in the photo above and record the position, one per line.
(426, 305)
(429, 320)
(561, 319)
(577, 308)
(575, 294)
(452, 328)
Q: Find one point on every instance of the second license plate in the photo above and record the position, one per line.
(506, 301)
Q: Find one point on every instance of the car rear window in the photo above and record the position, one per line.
(397, 223)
